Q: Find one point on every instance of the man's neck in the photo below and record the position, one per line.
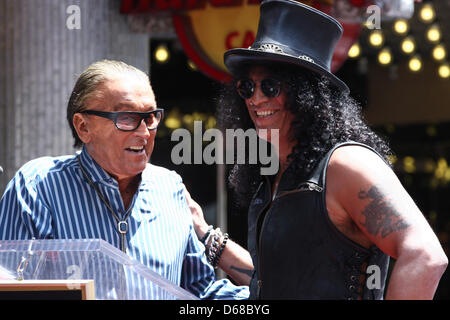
(128, 185)
(127, 188)
(285, 149)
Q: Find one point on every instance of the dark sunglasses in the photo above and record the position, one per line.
(269, 86)
(130, 120)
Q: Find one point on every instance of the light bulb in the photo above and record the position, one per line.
(415, 64)
(162, 54)
(376, 38)
(401, 26)
(434, 33)
(427, 13)
(385, 56)
(408, 45)
(444, 71)
(439, 52)
(354, 51)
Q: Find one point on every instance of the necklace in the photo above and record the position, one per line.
(122, 225)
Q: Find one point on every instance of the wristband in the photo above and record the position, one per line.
(203, 239)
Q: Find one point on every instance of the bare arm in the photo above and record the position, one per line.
(367, 189)
(235, 261)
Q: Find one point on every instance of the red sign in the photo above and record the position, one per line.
(207, 28)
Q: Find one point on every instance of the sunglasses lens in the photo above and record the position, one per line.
(128, 121)
(271, 87)
(245, 88)
(153, 120)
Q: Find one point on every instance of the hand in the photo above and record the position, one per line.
(200, 225)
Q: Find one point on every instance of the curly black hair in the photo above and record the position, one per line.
(324, 117)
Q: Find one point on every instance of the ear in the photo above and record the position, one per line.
(80, 123)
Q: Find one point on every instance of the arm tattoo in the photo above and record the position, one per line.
(380, 214)
(244, 271)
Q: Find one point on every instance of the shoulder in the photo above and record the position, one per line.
(353, 168)
(353, 159)
(154, 173)
(164, 184)
(41, 168)
(33, 177)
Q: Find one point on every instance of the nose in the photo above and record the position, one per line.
(142, 130)
(258, 96)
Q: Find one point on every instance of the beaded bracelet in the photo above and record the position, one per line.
(222, 247)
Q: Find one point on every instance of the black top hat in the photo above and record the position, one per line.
(291, 33)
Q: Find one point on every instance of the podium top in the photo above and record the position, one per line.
(115, 274)
(87, 245)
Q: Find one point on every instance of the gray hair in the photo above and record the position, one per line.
(87, 86)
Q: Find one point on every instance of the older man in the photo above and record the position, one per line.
(110, 190)
(325, 225)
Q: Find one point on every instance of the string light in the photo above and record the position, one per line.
(401, 26)
(408, 45)
(427, 13)
(385, 56)
(354, 51)
(192, 65)
(441, 170)
(434, 33)
(172, 123)
(444, 71)
(376, 38)
(173, 119)
(162, 54)
(409, 164)
(415, 64)
(439, 52)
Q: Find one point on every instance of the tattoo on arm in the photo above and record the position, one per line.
(380, 214)
(244, 271)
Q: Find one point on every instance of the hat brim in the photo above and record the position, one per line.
(234, 59)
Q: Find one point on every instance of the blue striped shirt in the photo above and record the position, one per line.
(49, 198)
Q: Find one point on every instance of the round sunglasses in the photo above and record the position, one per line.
(270, 87)
(130, 120)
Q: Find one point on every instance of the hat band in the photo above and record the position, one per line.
(284, 50)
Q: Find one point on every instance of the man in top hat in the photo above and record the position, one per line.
(326, 224)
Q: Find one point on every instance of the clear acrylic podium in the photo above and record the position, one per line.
(116, 275)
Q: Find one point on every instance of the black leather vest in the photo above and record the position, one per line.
(297, 251)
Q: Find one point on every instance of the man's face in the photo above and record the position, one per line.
(266, 112)
(122, 154)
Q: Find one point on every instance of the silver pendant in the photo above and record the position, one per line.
(122, 226)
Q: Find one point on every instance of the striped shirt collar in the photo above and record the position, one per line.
(93, 169)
